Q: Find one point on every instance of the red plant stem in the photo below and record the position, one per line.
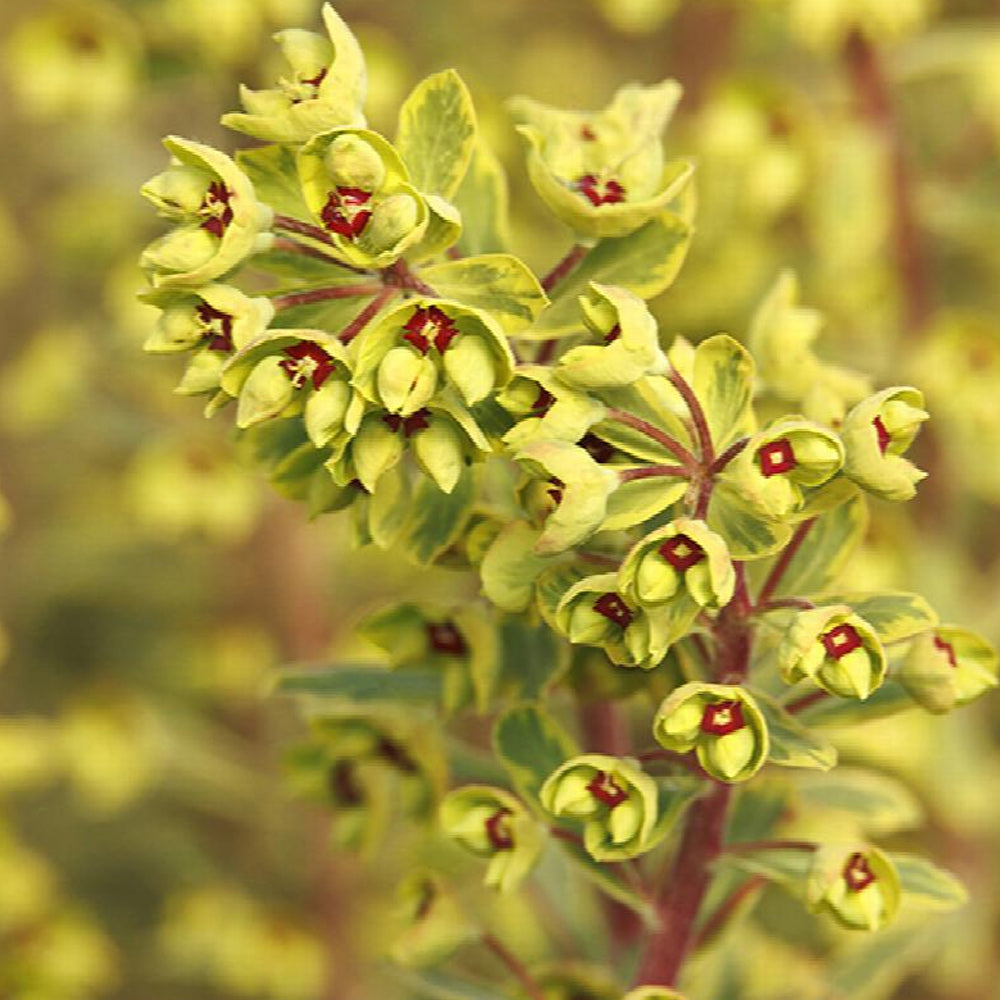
(688, 762)
(366, 315)
(514, 966)
(401, 276)
(290, 246)
(565, 267)
(806, 701)
(752, 846)
(728, 455)
(875, 102)
(786, 602)
(697, 417)
(688, 460)
(322, 294)
(651, 472)
(291, 225)
(779, 569)
(724, 913)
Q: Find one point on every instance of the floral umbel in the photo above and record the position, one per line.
(606, 496)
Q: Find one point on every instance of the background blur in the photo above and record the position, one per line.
(149, 582)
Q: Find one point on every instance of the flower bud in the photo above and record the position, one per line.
(440, 451)
(616, 801)
(470, 365)
(948, 666)
(495, 825)
(184, 250)
(859, 888)
(354, 163)
(178, 191)
(326, 410)
(376, 449)
(721, 723)
(836, 649)
(434, 923)
(393, 219)
(265, 393)
(406, 381)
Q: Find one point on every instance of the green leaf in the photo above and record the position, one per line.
(437, 133)
(723, 383)
(894, 616)
(441, 986)
(274, 174)
(639, 500)
(874, 968)
(531, 745)
(552, 584)
(889, 699)
(882, 804)
(826, 550)
(645, 262)
(331, 315)
(791, 743)
(497, 283)
(483, 200)
(787, 867)
(438, 518)
(532, 658)
(353, 682)
(747, 534)
(927, 885)
(300, 269)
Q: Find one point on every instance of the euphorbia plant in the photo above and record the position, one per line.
(656, 526)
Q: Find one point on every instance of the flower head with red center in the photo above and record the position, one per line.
(722, 718)
(345, 213)
(599, 192)
(681, 552)
(307, 362)
(614, 608)
(313, 83)
(218, 327)
(605, 789)
(857, 873)
(428, 325)
(776, 457)
(882, 434)
(498, 830)
(445, 638)
(414, 422)
(948, 649)
(216, 209)
(840, 641)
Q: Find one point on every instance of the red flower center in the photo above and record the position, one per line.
(776, 457)
(411, 424)
(216, 209)
(445, 638)
(947, 648)
(556, 490)
(857, 873)
(884, 437)
(344, 212)
(681, 552)
(343, 785)
(587, 133)
(307, 362)
(604, 788)
(722, 718)
(840, 641)
(218, 327)
(498, 830)
(427, 325)
(599, 192)
(543, 402)
(614, 609)
(600, 451)
(613, 334)
(313, 82)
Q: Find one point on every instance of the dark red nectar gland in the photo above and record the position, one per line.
(948, 649)
(314, 83)
(883, 435)
(857, 874)
(498, 830)
(840, 641)
(722, 718)
(216, 209)
(604, 788)
(600, 192)
(587, 134)
(344, 212)
(445, 638)
(343, 786)
(217, 328)
(614, 609)
(681, 552)
(600, 451)
(411, 424)
(543, 403)
(776, 457)
(613, 334)
(430, 325)
(307, 362)
(555, 491)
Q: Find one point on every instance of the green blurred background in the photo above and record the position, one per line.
(150, 581)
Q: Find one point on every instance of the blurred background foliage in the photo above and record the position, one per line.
(148, 845)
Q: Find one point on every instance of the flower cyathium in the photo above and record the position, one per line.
(858, 886)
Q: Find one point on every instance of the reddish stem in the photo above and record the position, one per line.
(752, 846)
(651, 472)
(806, 701)
(697, 417)
(565, 267)
(366, 315)
(401, 276)
(779, 569)
(786, 602)
(290, 246)
(716, 923)
(514, 966)
(728, 455)
(322, 294)
(688, 460)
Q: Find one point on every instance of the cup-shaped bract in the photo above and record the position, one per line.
(948, 666)
(789, 456)
(325, 88)
(614, 799)
(876, 433)
(858, 886)
(546, 408)
(629, 345)
(434, 923)
(359, 192)
(836, 649)
(603, 173)
(722, 723)
(219, 220)
(493, 824)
